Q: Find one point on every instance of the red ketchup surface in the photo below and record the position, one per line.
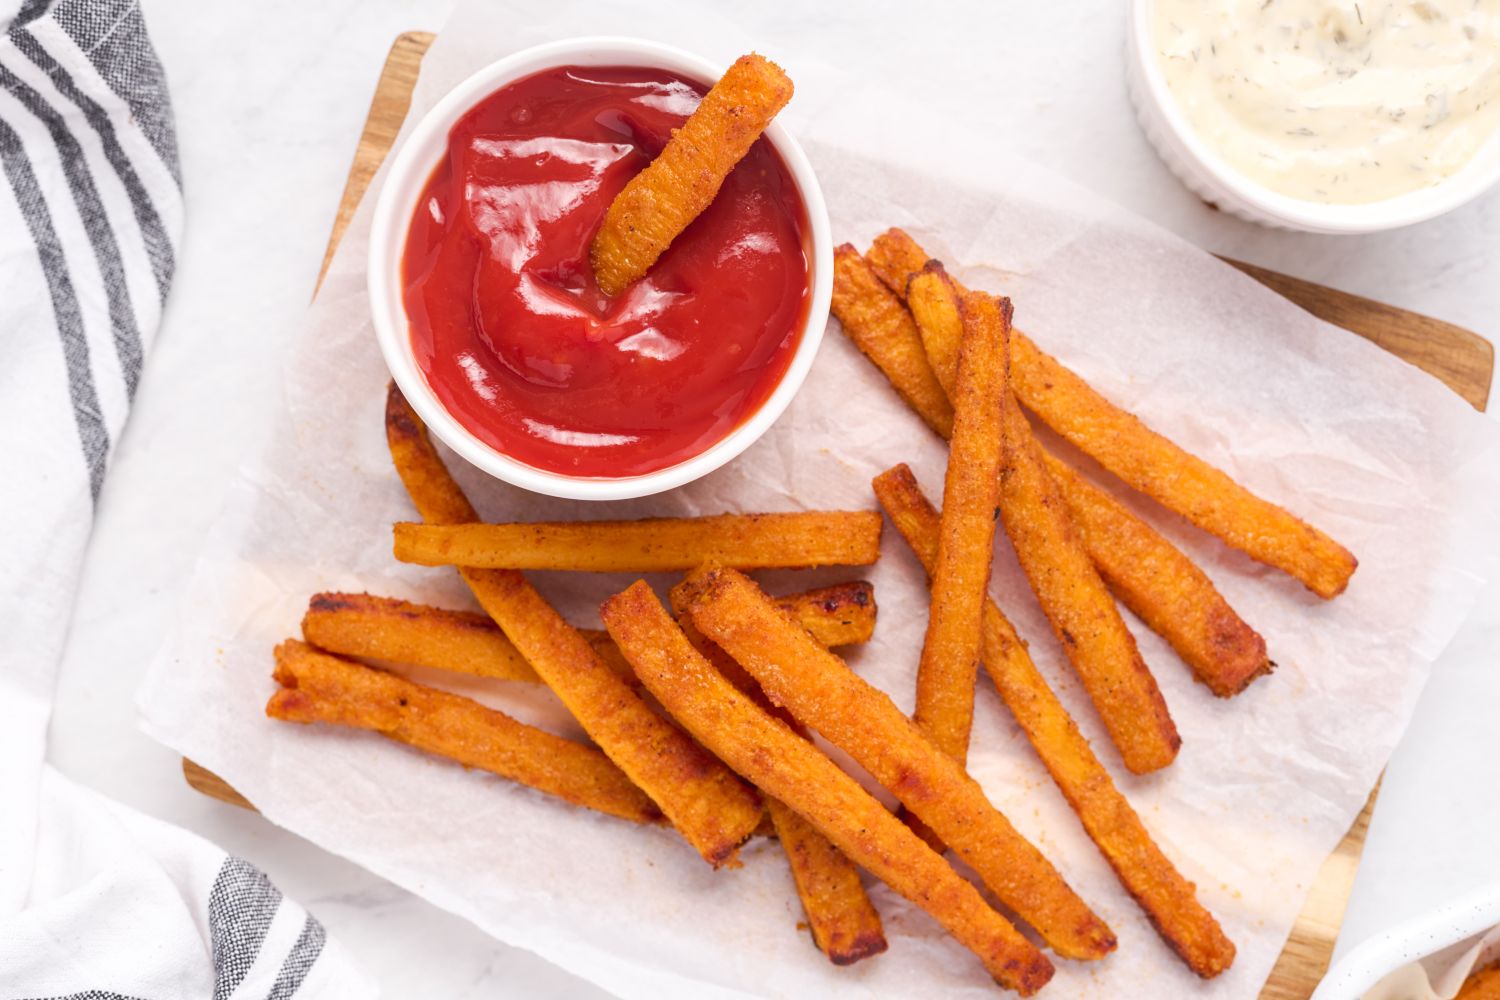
(508, 324)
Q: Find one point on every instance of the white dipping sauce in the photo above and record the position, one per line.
(1336, 102)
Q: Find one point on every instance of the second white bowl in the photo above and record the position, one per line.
(1208, 176)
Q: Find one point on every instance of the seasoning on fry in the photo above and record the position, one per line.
(317, 687)
(883, 330)
(796, 540)
(384, 628)
(845, 925)
(950, 651)
(934, 301)
(663, 199)
(1079, 607)
(1177, 480)
(789, 768)
(1165, 589)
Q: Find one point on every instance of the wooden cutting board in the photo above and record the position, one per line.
(1461, 359)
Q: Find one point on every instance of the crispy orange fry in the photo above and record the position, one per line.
(842, 614)
(1166, 590)
(971, 492)
(789, 768)
(662, 200)
(1168, 898)
(709, 806)
(844, 923)
(897, 259)
(1082, 613)
(317, 687)
(384, 628)
(881, 327)
(1144, 459)
(822, 693)
(934, 301)
(798, 540)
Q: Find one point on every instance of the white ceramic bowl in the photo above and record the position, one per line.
(414, 163)
(1370, 961)
(1208, 176)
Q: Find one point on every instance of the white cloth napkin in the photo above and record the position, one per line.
(96, 900)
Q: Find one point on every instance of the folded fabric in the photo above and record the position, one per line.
(123, 905)
(96, 900)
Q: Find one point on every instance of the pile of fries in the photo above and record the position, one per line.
(699, 711)
(699, 716)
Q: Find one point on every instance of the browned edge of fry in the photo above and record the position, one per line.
(789, 768)
(842, 614)
(712, 809)
(662, 200)
(319, 687)
(385, 628)
(874, 318)
(844, 923)
(1169, 899)
(1163, 587)
(823, 694)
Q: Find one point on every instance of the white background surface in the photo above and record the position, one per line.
(270, 99)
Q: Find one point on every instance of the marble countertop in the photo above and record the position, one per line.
(270, 98)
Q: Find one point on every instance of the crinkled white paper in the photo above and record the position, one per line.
(1372, 450)
(1439, 976)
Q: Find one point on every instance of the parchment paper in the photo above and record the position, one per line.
(1370, 449)
(1441, 975)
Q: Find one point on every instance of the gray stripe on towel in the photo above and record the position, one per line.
(240, 907)
(123, 329)
(112, 33)
(153, 231)
(92, 433)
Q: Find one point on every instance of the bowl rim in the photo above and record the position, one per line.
(413, 162)
(1473, 179)
(1369, 961)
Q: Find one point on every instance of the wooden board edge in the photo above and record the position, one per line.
(203, 780)
(403, 63)
(1305, 957)
(1460, 358)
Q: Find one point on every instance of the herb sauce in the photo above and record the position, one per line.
(1336, 102)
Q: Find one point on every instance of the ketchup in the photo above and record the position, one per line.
(511, 330)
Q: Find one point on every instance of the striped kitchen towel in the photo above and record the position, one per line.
(97, 900)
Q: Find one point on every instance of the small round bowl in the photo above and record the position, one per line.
(1214, 180)
(420, 154)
